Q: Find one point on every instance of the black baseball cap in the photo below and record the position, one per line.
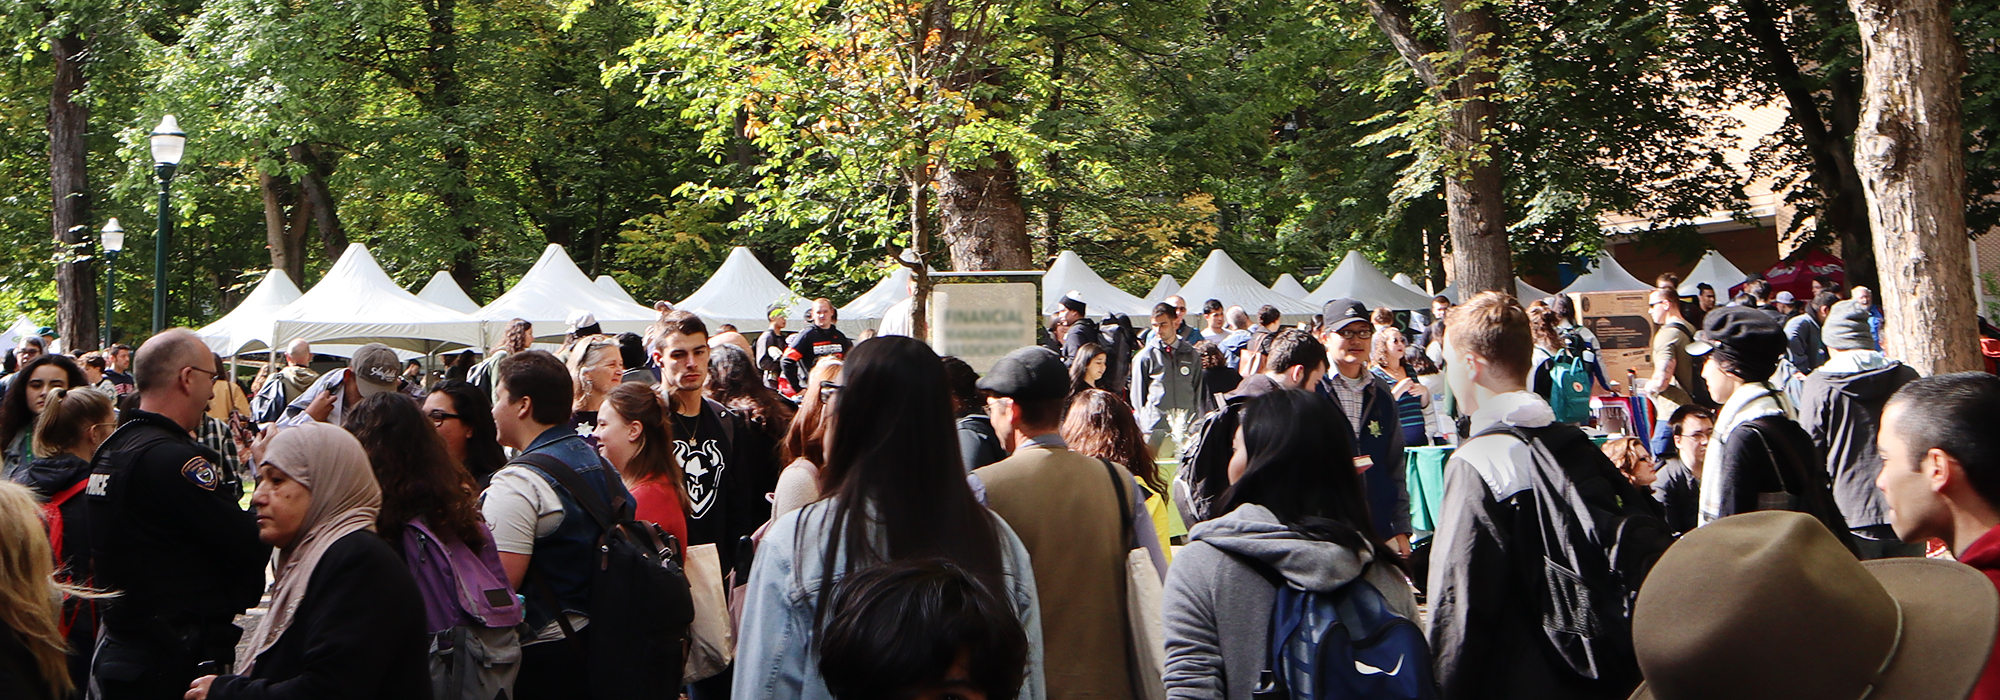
(1029, 374)
(1341, 312)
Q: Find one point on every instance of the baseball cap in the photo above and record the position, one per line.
(1029, 373)
(375, 365)
(1341, 312)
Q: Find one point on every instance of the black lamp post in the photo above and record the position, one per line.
(168, 144)
(113, 239)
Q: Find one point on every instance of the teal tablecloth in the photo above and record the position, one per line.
(1424, 470)
(1424, 467)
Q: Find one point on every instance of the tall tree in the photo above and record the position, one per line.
(1911, 160)
(1475, 196)
(76, 279)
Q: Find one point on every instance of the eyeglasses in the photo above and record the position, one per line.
(827, 390)
(211, 373)
(1357, 331)
(439, 416)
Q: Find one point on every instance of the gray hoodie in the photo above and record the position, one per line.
(1218, 609)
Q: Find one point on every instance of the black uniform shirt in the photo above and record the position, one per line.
(166, 531)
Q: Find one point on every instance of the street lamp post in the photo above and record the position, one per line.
(168, 144)
(113, 239)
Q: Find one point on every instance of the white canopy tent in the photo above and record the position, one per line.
(1070, 274)
(248, 326)
(1221, 279)
(1606, 275)
(1522, 291)
(1162, 289)
(866, 311)
(1357, 279)
(554, 288)
(444, 291)
(1289, 286)
(743, 292)
(1716, 271)
(358, 303)
(616, 290)
(1405, 281)
(24, 327)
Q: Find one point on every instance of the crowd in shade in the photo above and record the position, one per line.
(1223, 507)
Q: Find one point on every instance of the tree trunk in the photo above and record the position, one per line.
(1909, 153)
(920, 236)
(984, 224)
(1828, 142)
(1475, 205)
(442, 96)
(326, 214)
(76, 280)
(285, 215)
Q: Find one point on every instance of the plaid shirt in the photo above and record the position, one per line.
(214, 434)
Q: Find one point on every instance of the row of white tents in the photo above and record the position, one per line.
(357, 302)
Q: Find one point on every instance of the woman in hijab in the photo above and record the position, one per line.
(345, 617)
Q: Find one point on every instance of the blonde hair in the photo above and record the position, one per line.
(1379, 348)
(67, 417)
(30, 595)
(585, 355)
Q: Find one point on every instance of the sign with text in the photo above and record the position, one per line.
(979, 323)
(1624, 332)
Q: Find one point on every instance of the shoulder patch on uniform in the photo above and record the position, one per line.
(200, 473)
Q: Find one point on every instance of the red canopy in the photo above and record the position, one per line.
(1796, 274)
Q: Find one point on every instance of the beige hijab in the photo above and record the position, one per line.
(332, 466)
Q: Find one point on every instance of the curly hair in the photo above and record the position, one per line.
(419, 479)
(1099, 425)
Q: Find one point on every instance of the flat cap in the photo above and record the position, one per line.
(1030, 373)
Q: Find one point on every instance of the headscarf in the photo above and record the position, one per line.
(330, 464)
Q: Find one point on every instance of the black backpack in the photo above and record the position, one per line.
(1598, 538)
(639, 598)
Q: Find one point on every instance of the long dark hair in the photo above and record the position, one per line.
(417, 475)
(734, 381)
(1099, 425)
(893, 472)
(1304, 476)
(14, 413)
(474, 407)
(1079, 367)
(654, 462)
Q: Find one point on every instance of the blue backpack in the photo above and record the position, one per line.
(1343, 644)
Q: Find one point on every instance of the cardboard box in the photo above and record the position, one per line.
(1624, 332)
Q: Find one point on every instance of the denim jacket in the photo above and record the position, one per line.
(774, 655)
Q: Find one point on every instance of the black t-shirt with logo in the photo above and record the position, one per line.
(723, 467)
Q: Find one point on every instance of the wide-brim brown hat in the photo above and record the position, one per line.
(1770, 606)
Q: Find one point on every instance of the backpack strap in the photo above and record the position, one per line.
(589, 498)
(52, 514)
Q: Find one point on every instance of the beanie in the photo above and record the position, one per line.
(1846, 327)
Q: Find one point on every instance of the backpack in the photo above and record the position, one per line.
(640, 602)
(1569, 380)
(55, 522)
(268, 406)
(1346, 643)
(1599, 537)
(1204, 463)
(475, 661)
(1115, 334)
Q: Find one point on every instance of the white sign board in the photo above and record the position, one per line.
(979, 323)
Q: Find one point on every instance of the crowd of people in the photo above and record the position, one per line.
(1216, 509)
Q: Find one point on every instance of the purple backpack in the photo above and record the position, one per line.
(471, 612)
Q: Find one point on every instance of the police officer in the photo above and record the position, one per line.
(167, 535)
